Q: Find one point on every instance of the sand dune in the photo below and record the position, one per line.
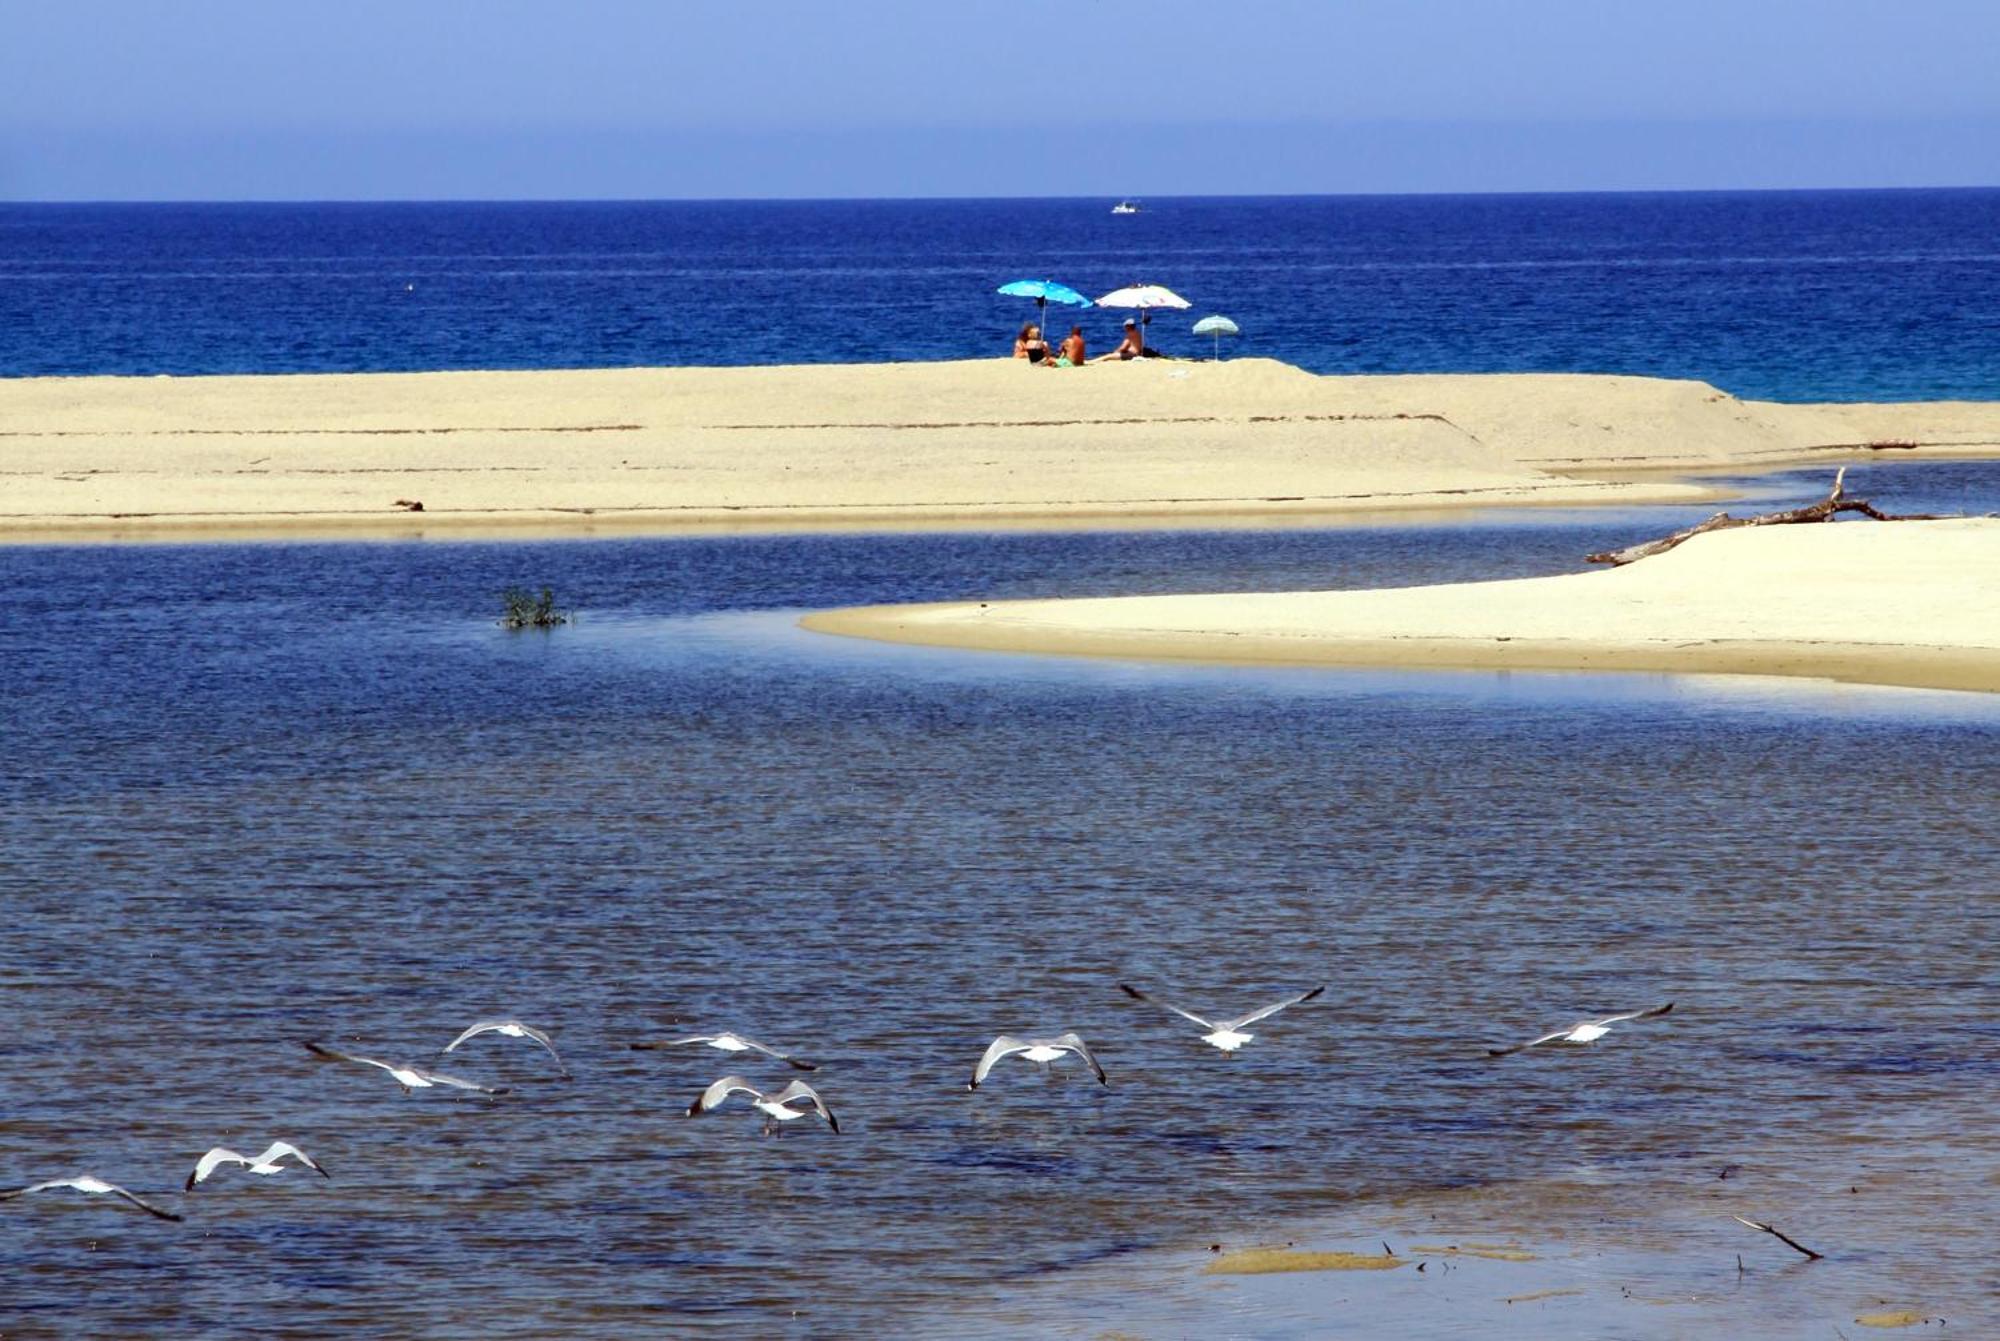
(1910, 603)
(978, 442)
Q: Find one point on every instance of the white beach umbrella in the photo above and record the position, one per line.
(1217, 327)
(1144, 297)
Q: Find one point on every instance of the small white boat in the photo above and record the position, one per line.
(1126, 207)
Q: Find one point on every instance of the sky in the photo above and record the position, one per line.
(648, 99)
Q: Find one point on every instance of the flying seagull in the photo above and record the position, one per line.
(726, 1042)
(91, 1186)
(1227, 1035)
(1584, 1031)
(410, 1077)
(775, 1107)
(271, 1161)
(510, 1029)
(1041, 1050)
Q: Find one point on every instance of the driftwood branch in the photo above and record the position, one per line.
(1835, 502)
(1782, 1237)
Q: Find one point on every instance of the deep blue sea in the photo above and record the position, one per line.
(1857, 295)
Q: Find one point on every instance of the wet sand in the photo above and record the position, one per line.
(1569, 1258)
(1901, 603)
(988, 442)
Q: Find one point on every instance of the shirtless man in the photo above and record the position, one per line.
(1072, 348)
(1131, 347)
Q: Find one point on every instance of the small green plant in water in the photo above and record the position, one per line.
(527, 611)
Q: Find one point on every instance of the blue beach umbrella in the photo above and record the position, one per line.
(1044, 292)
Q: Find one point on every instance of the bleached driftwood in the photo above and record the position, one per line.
(1834, 503)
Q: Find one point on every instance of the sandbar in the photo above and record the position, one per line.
(1902, 603)
(986, 442)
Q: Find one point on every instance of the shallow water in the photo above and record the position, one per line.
(259, 794)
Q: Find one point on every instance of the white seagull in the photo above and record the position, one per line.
(91, 1186)
(1584, 1031)
(271, 1161)
(1227, 1035)
(410, 1077)
(509, 1029)
(775, 1107)
(1040, 1050)
(726, 1041)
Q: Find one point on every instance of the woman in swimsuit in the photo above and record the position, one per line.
(1029, 344)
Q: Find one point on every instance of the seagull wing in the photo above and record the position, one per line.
(144, 1205)
(1531, 1043)
(773, 1052)
(456, 1082)
(1138, 995)
(542, 1038)
(277, 1150)
(483, 1027)
(720, 1090)
(1004, 1046)
(86, 1183)
(1646, 1014)
(1272, 1009)
(334, 1054)
(798, 1089)
(509, 1027)
(658, 1043)
(1074, 1042)
(37, 1187)
(207, 1164)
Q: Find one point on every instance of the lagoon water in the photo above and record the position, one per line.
(257, 794)
(1801, 295)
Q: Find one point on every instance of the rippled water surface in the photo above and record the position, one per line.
(1784, 295)
(261, 794)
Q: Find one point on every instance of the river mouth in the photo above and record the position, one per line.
(262, 794)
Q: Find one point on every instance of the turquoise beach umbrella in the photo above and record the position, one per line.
(1217, 327)
(1044, 292)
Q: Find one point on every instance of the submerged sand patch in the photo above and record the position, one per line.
(1263, 1261)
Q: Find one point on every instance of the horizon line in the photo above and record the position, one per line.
(976, 199)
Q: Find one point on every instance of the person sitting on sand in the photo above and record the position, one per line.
(1072, 350)
(1131, 347)
(1029, 344)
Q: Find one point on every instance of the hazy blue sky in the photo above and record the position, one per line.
(286, 99)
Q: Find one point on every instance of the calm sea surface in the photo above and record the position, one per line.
(1861, 295)
(256, 794)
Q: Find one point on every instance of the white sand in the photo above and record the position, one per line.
(979, 442)
(1912, 603)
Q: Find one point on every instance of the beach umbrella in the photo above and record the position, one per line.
(1044, 292)
(1145, 297)
(1217, 327)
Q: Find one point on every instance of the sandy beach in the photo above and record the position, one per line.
(1907, 603)
(984, 443)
